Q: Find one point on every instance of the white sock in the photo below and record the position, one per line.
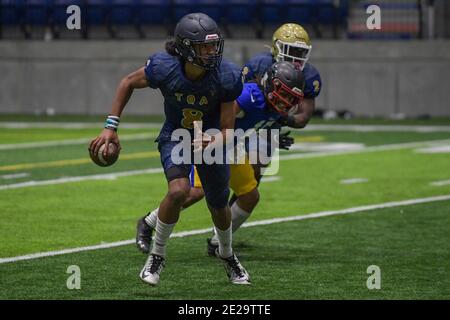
(162, 234)
(224, 239)
(238, 216)
(152, 217)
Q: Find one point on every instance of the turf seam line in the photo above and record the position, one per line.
(245, 225)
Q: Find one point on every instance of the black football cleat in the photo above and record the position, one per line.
(211, 247)
(143, 236)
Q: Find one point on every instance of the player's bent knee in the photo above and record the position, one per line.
(249, 200)
(178, 192)
(196, 194)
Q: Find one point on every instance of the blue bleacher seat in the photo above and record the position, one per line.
(213, 8)
(12, 12)
(240, 11)
(124, 12)
(37, 12)
(151, 12)
(97, 12)
(273, 11)
(182, 7)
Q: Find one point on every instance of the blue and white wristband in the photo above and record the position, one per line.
(112, 122)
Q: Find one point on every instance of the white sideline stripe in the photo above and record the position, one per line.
(76, 125)
(112, 176)
(376, 128)
(384, 147)
(440, 183)
(353, 180)
(270, 179)
(106, 176)
(26, 145)
(15, 175)
(245, 225)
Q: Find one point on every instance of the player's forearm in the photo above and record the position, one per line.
(301, 118)
(123, 94)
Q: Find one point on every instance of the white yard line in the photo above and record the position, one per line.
(376, 128)
(76, 125)
(106, 176)
(440, 183)
(245, 225)
(270, 179)
(353, 180)
(40, 144)
(384, 147)
(15, 175)
(110, 176)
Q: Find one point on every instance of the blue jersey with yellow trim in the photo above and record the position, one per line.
(186, 101)
(254, 111)
(255, 68)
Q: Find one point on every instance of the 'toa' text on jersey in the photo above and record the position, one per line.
(191, 99)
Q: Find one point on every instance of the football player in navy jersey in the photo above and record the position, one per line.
(197, 85)
(258, 107)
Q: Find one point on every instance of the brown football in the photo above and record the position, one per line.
(109, 159)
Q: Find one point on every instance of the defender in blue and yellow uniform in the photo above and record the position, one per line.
(197, 85)
(259, 107)
(291, 43)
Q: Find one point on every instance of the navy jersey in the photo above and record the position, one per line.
(254, 111)
(255, 68)
(186, 101)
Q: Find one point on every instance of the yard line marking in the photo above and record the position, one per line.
(437, 149)
(106, 176)
(440, 183)
(270, 179)
(294, 156)
(55, 143)
(326, 146)
(353, 180)
(15, 175)
(77, 125)
(377, 128)
(384, 147)
(69, 162)
(245, 225)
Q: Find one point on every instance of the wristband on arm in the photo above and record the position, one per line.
(112, 122)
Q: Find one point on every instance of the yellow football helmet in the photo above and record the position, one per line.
(291, 42)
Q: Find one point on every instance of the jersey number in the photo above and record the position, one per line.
(316, 85)
(189, 116)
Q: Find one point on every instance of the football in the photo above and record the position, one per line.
(109, 159)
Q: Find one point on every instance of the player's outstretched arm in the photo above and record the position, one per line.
(301, 117)
(134, 80)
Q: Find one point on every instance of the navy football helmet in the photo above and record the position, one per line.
(196, 33)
